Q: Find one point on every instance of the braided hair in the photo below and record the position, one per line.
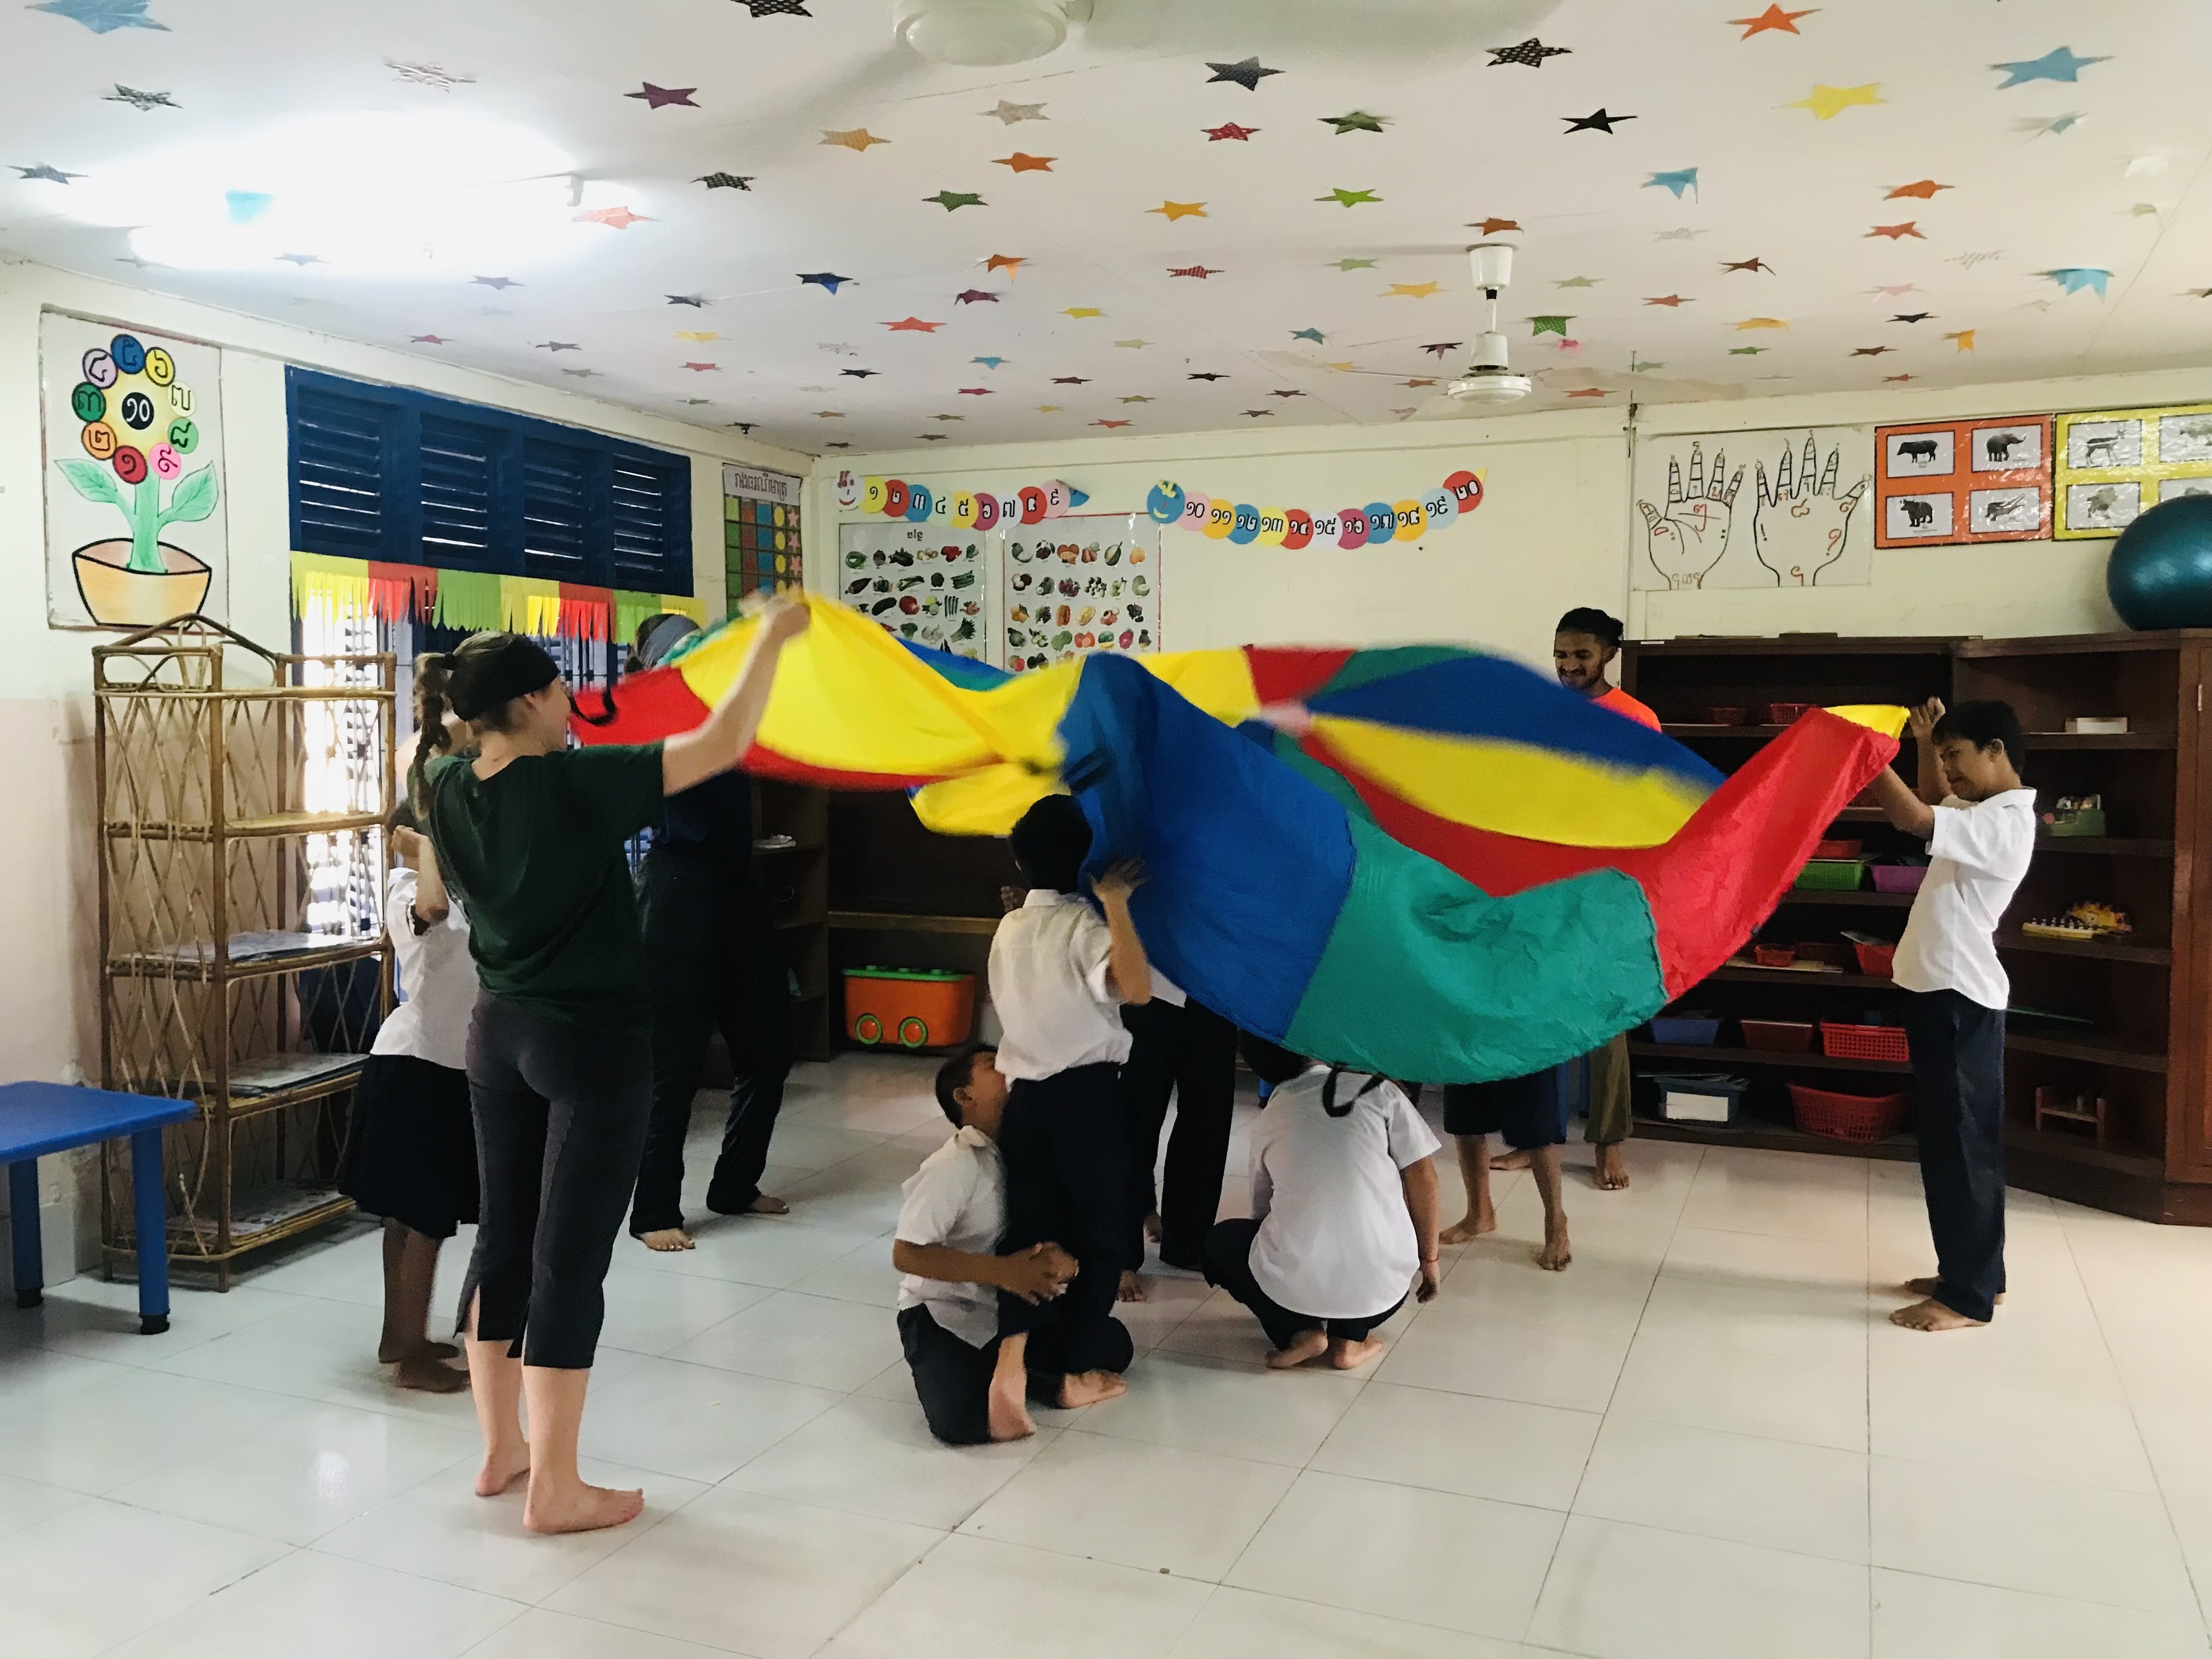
(477, 686)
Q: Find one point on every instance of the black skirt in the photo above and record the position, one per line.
(410, 1150)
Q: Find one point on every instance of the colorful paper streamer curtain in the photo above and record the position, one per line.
(475, 601)
(1423, 861)
(1219, 518)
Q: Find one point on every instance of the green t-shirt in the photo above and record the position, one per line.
(535, 852)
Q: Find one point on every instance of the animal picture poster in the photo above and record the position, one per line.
(1945, 484)
(1784, 508)
(2113, 464)
(134, 482)
(928, 584)
(1080, 584)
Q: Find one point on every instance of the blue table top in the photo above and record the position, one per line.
(38, 1118)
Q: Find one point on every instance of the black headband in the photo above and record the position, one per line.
(506, 667)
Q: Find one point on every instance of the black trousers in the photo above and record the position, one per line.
(1958, 1074)
(1229, 1267)
(715, 962)
(1189, 1053)
(952, 1380)
(1066, 1149)
(559, 1116)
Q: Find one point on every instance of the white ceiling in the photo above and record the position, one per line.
(252, 86)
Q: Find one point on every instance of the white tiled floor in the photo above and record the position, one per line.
(1701, 1441)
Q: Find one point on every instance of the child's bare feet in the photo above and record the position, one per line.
(420, 1370)
(1612, 1168)
(501, 1469)
(1153, 1227)
(1477, 1223)
(1008, 1413)
(1510, 1158)
(768, 1203)
(1926, 1287)
(1932, 1316)
(581, 1508)
(1350, 1356)
(667, 1238)
(1082, 1388)
(1132, 1288)
(1557, 1252)
(388, 1354)
(1306, 1345)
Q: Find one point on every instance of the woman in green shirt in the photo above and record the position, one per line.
(530, 833)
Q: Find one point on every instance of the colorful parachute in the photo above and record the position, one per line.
(1427, 862)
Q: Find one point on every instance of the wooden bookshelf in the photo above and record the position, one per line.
(795, 881)
(2147, 1048)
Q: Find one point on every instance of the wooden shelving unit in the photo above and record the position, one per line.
(2147, 1048)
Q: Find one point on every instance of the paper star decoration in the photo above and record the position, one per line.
(1069, 380)
(1492, 227)
(829, 281)
(1680, 180)
(1080, 312)
(616, 218)
(1010, 114)
(828, 414)
(1870, 352)
(1760, 322)
(948, 417)
(1600, 122)
(696, 334)
(1175, 210)
(1670, 301)
(580, 374)
(1924, 189)
(1200, 271)
(432, 75)
(1136, 398)
(968, 296)
(1133, 345)
(1545, 325)
(1746, 351)
(953, 200)
(102, 16)
(1438, 348)
(1208, 377)
(1254, 414)
(697, 302)
(1004, 262)
(858, 139)
(2155, 166)
(140, 100)
(1411, 290)
(662, 97)
(1416, 383)
(494, 282)
(1684, 234)
(1111, 423)
(726, 180)
(926, 437)
(1578, 281)
(1911, 316)
(302, 259)
(1229, 130)
(51, 175)
(1050, 409)
(1964, 339)
(2037, 126)
(1910, 228)
(1313, 334)
(1888, 379)
(1773, 19)
(702, 368)
(427, 339)
(1353, 264)
(1357, 121)
(1747, 265)
(1246, 74)
(913, 326)
(2197, 294)
(1021, 163)
(1828, 102)
(2059, 65)
(1286, 394)
(1893, 289)
(1345, 198)
(974, 392)
(1530, 53)
(2072, 279)
(558, 345)
(858, 373)
(1590, 391)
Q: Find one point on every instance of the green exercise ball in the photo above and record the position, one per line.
(2159, 574)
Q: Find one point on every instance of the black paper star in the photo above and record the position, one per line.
(1209, 378)
(745, 428)
(1246, 74)
(1438, 348)
(1531, 52)
(1069, 380)
(858, 373)
(1600, 122)
(726, 180)
(1286, 394)
(776, 8)
(141, 100)
(1912, 317)
(694, 300)
(558, 345)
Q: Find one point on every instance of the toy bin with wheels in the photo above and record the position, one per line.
(909, 1007)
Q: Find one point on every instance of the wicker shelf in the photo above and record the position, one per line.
(272, 824)
(204, 971)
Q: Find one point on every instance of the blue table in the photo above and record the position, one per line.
(38, 1118)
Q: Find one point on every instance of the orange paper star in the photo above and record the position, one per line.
(1774, 19)
(1176, 210)
(1492, 227)
(1894, 232)
(1924, 189)
(1590, 391)
(913, 326)
(1964, 339)
(1411, 290)
(1005, 262)
(858, 139)
(1109, 423)
(1670, 301)
(1021, 163)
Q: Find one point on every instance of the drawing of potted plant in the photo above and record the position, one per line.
(138, 580)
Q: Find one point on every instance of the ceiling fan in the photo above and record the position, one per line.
(982, 34)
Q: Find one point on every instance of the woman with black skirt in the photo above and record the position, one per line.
(530, 835)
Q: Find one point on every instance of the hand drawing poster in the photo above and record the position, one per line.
(1754, 509)
(133, 466)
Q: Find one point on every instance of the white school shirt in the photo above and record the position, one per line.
(1335, 1240)
(957, 1199)
(435, 974)
(1166, 990)
(1978, 852)
(1049, 962)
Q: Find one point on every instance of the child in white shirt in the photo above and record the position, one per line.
(1978, 820)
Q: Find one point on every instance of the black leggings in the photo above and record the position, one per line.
(1189, 1052)
(1067, 1156)
(715, 962)
(1229, 1267)
(560, 1114)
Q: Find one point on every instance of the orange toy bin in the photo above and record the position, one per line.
(912, 1007)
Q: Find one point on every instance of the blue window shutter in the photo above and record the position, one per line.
(461, 490)
(343, 448)
(562, 499)
(649, 514)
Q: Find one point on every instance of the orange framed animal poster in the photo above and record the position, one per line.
(1944, 483)
(2113, 464)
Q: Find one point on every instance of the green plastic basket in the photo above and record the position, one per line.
(1832, 875)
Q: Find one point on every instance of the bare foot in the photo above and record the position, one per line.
(1509, 1159)
(1612, 1168)
(420, 1370)
(1926, 1287)
(1473, 1227)
(1132, 1288)
(502, 1470)
(583, 1509)
(768, 1203)
(1009, 1411)
(1082, 1388)
(1932, 1316)
(388, 1355)
(667, 1238)
(1306, 1345)
(1153, 1227)
(1556, 1253)
(1350, 1356)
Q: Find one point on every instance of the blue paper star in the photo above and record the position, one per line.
(824, 279)
(2059, 65)
(1313, 334)
(2072, 279)
(1680, 180)
(987, 362)
(102, 16)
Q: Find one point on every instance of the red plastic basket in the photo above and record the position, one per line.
(1849, 1117)
(1864, 1042)
(1778, 1036)
(1838, 849)
(1877, 961)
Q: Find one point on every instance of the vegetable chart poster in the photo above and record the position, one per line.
(1080, 584)
(134, 484)
(930, 585)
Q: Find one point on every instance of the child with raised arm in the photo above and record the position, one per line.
(1058, 977)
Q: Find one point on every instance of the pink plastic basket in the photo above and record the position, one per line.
(1899, 878)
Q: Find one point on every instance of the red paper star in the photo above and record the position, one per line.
(1891, 378)
(700, 369)
(913, 326)
(1229, 130)
(1590, 391)
(1924, 189)
(1109, 423)
(1747, 265)
(661, 97)
(426, 339)
(1492, 227)
(1774, 19)
(974, 392)
(621, 218)
(1200, 271)
(968, 296)
(1908, 228)
(1021, 163)
(1414, 383)
(1670, 301)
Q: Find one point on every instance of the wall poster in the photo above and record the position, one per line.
(926, 583)
(763, 548)
(1080, 584)
(1944, 483)
(2115, 463)
(1754, 509)
(133, 428)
